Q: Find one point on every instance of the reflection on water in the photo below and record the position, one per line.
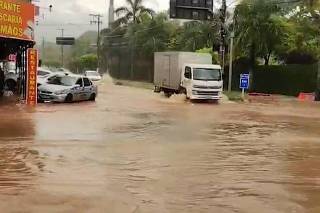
(134, 151)
(17, 159)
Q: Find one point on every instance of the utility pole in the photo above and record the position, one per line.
(43, 49)
(96, 19)
(230, 64)
(223, 13)
(62, 50)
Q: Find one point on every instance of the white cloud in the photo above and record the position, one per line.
(73, 15)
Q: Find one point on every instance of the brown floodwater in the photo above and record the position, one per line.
(136, 151)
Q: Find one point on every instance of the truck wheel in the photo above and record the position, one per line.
(168, 94)
(187, 95)
(182, 90)
(157, 89)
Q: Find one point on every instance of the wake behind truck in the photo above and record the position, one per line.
(190, 73)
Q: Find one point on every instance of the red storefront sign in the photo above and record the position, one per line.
(17, 19)
(32, 77)
(12, 57)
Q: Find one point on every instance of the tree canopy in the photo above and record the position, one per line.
(266, 32)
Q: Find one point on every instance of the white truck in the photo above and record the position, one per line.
(190, 73)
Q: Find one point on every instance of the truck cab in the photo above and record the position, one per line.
(202, 81)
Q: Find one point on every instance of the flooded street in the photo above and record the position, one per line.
(135, 151)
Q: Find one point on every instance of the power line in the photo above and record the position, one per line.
(66, 24)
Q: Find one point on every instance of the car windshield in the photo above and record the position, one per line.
(204, 74)
(92, 74)
(63, 80)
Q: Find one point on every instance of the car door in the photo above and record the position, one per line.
(79, 92)
(87, 88)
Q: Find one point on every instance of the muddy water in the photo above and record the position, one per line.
(135, 151)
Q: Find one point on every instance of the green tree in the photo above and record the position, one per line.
(85, 62)
(196, 35)
(132, 12)
(259, 28)
(152, 34)
(215, 55)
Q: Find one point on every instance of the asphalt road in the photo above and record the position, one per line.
(136, 151)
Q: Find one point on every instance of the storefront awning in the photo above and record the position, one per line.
(11, 46)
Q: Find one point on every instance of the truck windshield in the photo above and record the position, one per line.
(203, 74)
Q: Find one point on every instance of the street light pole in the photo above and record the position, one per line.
(223, 12)
(230, 63)
(62, 49)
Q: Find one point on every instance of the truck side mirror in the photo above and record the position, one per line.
(187, 73)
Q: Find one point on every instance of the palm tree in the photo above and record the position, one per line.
(132, 13)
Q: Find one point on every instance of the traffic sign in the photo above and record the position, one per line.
(244, 81)
(65, 41)
(191, 9)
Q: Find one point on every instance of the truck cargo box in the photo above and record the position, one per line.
(168, 67)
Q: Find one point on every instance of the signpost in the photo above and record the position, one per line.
(62, 41)
(65, 40)
(244, 83)
(32, 66)
(191, 9)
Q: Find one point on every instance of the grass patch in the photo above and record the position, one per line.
(234, 96)
(138, 84)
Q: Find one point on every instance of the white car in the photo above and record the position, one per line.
(43, 72)
(44, 79)
(67, 88)
(11, 79)
(93, 75)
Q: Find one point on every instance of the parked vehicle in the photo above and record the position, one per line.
(67, 88)
(11, 76)
(43, 72)
(44, 79)
(189, 73)
(93, 75)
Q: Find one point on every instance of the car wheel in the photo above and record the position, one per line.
(11, 85)
(92, 97)
(69, 98)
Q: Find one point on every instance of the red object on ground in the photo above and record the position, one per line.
(259, 94)
(306, 96)
(261, 97)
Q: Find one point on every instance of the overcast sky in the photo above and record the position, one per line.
(73, 15)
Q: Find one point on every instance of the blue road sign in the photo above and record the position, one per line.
(244, 81)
